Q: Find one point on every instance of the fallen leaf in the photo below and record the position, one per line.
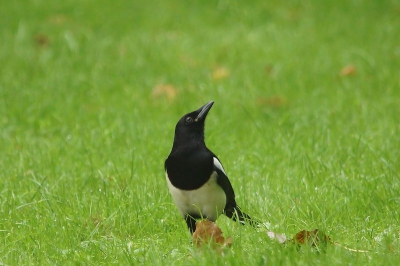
(275, 101)
(208, 233)
(348, 70)
(269, 69)
(165, 90)
(42, 40)
(313, 238)
(220, 73)
(278, 237)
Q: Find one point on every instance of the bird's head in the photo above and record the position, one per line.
(190, 128)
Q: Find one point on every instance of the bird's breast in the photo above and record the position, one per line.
(207, 201)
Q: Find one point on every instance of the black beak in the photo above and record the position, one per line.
(203, 111)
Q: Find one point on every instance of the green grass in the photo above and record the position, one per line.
(83, 138)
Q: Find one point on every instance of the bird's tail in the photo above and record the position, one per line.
(237, 214)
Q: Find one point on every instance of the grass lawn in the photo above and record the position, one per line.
(306, 121)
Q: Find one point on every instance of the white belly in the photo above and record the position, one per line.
(207, 201)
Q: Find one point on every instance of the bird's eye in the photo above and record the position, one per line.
(189, 120)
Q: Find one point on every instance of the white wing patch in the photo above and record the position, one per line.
(218, 165)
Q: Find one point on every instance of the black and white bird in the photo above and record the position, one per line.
(196, 178)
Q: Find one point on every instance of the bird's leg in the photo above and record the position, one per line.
(191, 223)
(236, 214)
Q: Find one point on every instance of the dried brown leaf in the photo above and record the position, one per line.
(208, 233)
(313, 238)
(348, 70)
(275, 101)
(42, 40)
(165, 91)
(269, 69)
(220, 73)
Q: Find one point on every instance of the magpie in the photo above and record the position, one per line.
(196, 179)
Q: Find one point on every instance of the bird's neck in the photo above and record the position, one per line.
(187, 144)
